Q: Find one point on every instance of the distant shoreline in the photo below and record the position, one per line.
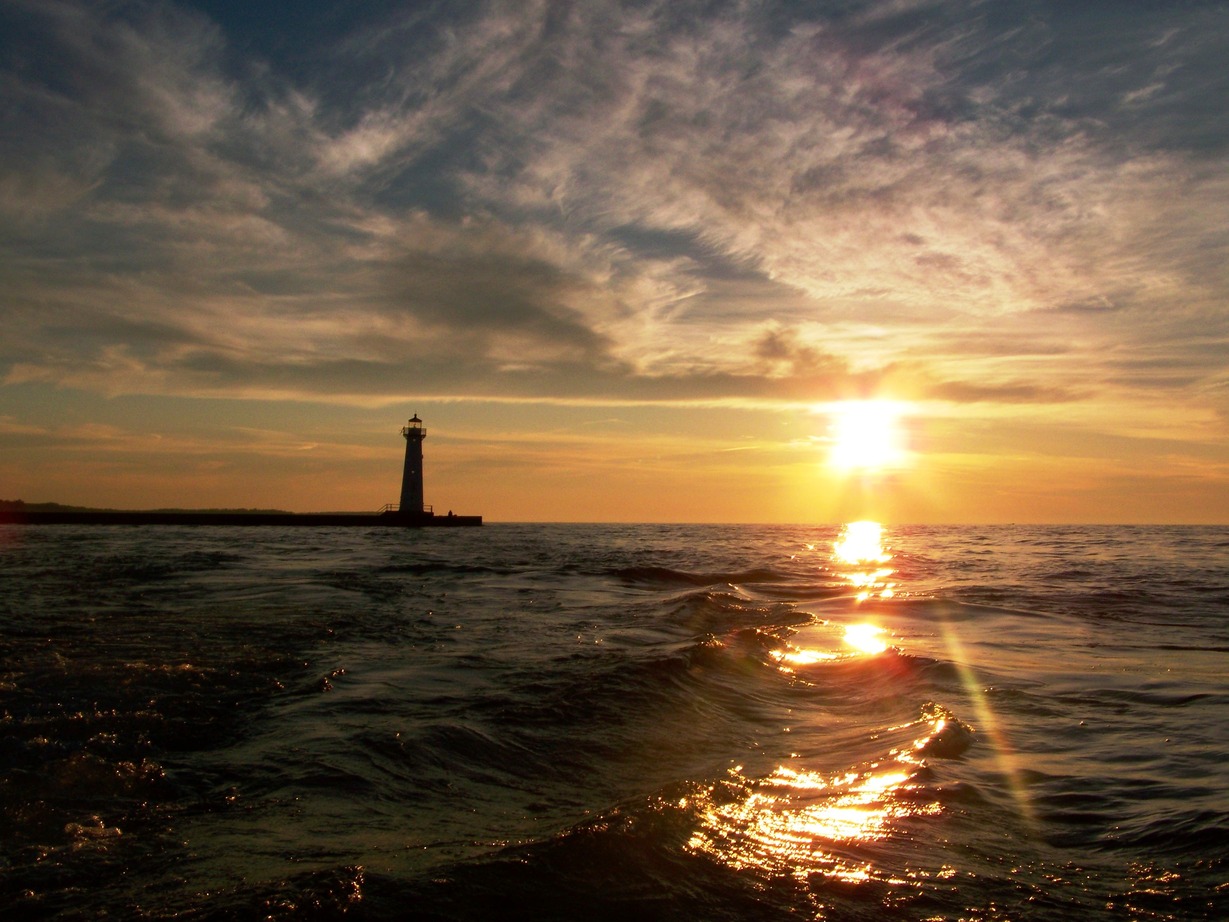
(21, 513)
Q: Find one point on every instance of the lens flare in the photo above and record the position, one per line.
(1004, 752)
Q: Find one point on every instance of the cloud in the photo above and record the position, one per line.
(671, 202)
(1008, 393)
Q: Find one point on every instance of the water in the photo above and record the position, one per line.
(600, 722)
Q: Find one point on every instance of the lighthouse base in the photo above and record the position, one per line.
(428, 519)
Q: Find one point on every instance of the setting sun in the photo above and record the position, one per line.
(866, 435)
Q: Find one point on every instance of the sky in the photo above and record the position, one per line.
(629, 261)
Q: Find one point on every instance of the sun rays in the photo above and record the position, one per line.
(866, 435)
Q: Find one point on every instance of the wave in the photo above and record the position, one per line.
(1178, 833)
(665, 576)
(632, 722)
(716, 850)
(1123, 698)
(433, 567)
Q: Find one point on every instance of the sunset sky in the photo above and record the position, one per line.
(628, 261)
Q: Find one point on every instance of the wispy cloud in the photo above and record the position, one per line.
(593, 201)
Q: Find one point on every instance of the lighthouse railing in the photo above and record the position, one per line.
(396, 507)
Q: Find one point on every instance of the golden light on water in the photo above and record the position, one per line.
(858, 554)
(790, 824)
(827, 643)
(813, 826)
(860, 543)
(865, 638)
(800, 823)
(802, 657)
(860, 546)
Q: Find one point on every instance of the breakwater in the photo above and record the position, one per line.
(206, 518)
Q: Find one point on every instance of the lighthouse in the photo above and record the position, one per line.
(411, 478)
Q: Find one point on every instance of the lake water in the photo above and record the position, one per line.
(614, 721)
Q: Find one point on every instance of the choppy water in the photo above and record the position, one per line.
(600, 722)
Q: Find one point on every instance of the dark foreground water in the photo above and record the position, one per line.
(614, 722)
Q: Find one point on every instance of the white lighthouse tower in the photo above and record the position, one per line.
(411, 478)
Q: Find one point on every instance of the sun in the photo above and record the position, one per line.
(866, 435)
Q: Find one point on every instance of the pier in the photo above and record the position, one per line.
(193, 517)
(411, 512)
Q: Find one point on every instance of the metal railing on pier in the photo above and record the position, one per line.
(396, 507)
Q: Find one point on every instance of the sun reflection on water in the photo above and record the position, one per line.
(858, 558)
(814, 826)
(860, 542)
(865, 638)
(804, 823)
(796, 657)
(860, 547)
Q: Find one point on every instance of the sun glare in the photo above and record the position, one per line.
(865, 638)
(860, 542)
(866, 435)
(860, 546)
